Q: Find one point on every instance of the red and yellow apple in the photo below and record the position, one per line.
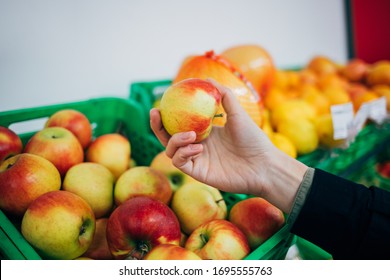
(23, 178)
(171, 252)
(196, 203)
(93, 182)
(140, 224)
(75, 121)
(112, 150)
(257, 218)
(190, 105)
(59, 225)
(176, 177)
(99, 250)
(58, 145)
(218, 240)
(10, 143)
(145, 181)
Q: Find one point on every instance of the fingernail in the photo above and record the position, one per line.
(187, 135)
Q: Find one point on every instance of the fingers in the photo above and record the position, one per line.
(179, 140)
(157, 127)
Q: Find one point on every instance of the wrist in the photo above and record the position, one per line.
(285, 175)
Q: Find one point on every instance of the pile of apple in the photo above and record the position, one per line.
(79, 197)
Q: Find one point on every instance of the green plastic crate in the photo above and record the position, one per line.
(337, 161)
(310, 251)
(109, 115)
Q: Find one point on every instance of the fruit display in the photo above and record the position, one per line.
(102, 208)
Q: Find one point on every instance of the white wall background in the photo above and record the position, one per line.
(59, 51)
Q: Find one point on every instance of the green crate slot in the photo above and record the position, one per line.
(112, 115)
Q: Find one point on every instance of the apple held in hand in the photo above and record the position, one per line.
(142, 180)
(218, 240)
(58, 145)
(196, 203)
(23, 178)
(176, 177)
(10, 143)
(93, 182)
(171, 252)
(111, 150)
(257, 218)
(75, 121)
(190, 105)
(140, 224)
(59, 225)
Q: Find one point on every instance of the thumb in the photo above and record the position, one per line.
(229, 101)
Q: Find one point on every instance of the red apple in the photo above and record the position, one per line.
(74, 121)
(10, 143)
(171, 252)
(257, 218)
(59, 225)
(99, 250)
(190, 105)
(111, 150)
(218, 240)
(384, 169)
(140, 224)
(58, 145)
(23, 178)
(145, 181)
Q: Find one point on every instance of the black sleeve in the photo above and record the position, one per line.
(348, 220)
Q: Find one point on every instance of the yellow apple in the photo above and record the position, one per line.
(111, 150)
(171, 252)
(196, 203)
(59, 225)
(93, 182)
(74, 121)
(145, 181)
(190, 105)
(218, 240)
(176, 177)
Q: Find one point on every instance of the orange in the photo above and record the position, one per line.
(314, 97)
(336, 95)
(274, 98)
(255, 63)
(379, 73)
(363, 98)
(322, 65)
(383, 90)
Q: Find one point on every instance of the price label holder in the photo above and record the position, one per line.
(342, 118)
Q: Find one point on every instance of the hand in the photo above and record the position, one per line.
(231, 159)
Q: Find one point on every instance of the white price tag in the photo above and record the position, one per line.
(377, 111)
(342, 118)
(360, 118)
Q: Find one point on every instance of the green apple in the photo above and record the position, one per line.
(59, 225)
(93, 182)
(196, 203)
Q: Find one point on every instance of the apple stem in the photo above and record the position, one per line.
(218, 115)
(204, 238)
(219, 200)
